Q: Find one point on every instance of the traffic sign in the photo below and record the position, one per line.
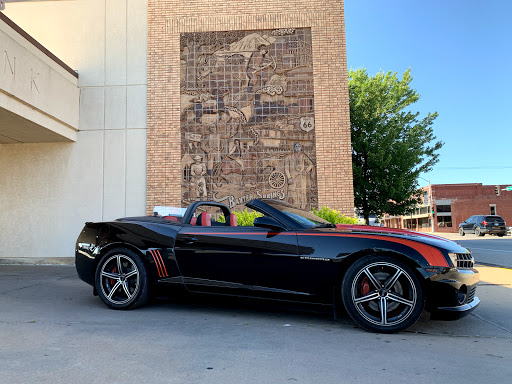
(509, 188)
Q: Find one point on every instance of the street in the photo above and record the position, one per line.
(53, 330)
(492, 251)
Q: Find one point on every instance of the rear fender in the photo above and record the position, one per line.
(154, 248)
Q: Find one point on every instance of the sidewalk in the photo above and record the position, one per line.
(456, 236)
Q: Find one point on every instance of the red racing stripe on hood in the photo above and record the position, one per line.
(433, 255)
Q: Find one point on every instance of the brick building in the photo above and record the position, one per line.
(117, 106)
(452, 204)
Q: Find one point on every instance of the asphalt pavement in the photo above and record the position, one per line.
(53, 330)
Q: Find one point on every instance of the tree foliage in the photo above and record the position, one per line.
(244, 218)
(333, 216)
(391, 145)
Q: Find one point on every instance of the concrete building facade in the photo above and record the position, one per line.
(127, 137)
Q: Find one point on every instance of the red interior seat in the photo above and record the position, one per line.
(204, 219)
(232, 222)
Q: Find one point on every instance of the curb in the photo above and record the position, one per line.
(38, 261)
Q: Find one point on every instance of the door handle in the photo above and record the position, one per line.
(189, 239)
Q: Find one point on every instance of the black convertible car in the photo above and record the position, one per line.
(383, 277)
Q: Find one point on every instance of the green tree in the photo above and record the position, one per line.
(391, 145)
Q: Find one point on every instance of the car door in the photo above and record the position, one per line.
(469, 225)
(477, 220)
(235, 260)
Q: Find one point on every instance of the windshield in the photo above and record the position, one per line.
(305, 218)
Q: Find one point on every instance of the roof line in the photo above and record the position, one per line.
(36, 44)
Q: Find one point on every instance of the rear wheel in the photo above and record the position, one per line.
(382, 294)
(478, 232)
(122, 280)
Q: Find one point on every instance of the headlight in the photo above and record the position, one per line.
(453, 258)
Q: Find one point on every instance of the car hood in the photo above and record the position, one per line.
(384, 230)
(426, 238)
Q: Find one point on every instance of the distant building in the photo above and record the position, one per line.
(452, 204)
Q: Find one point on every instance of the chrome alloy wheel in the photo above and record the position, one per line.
(119, 279)
(384, 294)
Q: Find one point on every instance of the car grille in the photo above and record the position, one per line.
(471, 295)
(465, 261)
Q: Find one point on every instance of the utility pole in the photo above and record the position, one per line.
(430, 204)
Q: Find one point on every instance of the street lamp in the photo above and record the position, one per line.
(430, 204)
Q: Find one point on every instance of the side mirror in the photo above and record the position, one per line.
(268, 222)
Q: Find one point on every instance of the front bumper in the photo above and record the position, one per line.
(454, 313)
(452, 294)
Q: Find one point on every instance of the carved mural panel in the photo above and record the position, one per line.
(247, 117)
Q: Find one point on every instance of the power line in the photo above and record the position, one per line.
(477, 167)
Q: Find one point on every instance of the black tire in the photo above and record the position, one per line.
(128, 289)
(375, 282)
(478, 232)
(461, 231)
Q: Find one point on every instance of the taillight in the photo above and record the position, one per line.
(484, 222)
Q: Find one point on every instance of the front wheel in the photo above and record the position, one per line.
(461, 231)
(121, 280)
(382, 294)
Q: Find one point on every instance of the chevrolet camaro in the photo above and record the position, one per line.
(383, 277)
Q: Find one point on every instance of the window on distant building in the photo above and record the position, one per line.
(493, 209)
(444, 208)
(444, 221)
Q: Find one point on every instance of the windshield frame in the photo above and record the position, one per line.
(300, 218)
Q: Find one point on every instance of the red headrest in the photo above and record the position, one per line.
(204, 219)
(193, 221)
(232, 220)
(172, 218)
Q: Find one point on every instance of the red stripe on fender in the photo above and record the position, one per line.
(155, 258)
(433, 255)
(164, 271)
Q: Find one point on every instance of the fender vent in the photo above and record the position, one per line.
(465, 261)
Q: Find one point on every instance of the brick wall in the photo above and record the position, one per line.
(473, 199)
(168, 19)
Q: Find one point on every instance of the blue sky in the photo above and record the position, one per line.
(460, 55)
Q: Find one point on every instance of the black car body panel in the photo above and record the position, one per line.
(295, 263)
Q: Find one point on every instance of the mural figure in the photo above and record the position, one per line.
(213, 148)
(297, 169)
(257, 63)
(246, 46)
(197, 177)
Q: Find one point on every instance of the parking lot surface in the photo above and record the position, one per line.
(53, 330)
